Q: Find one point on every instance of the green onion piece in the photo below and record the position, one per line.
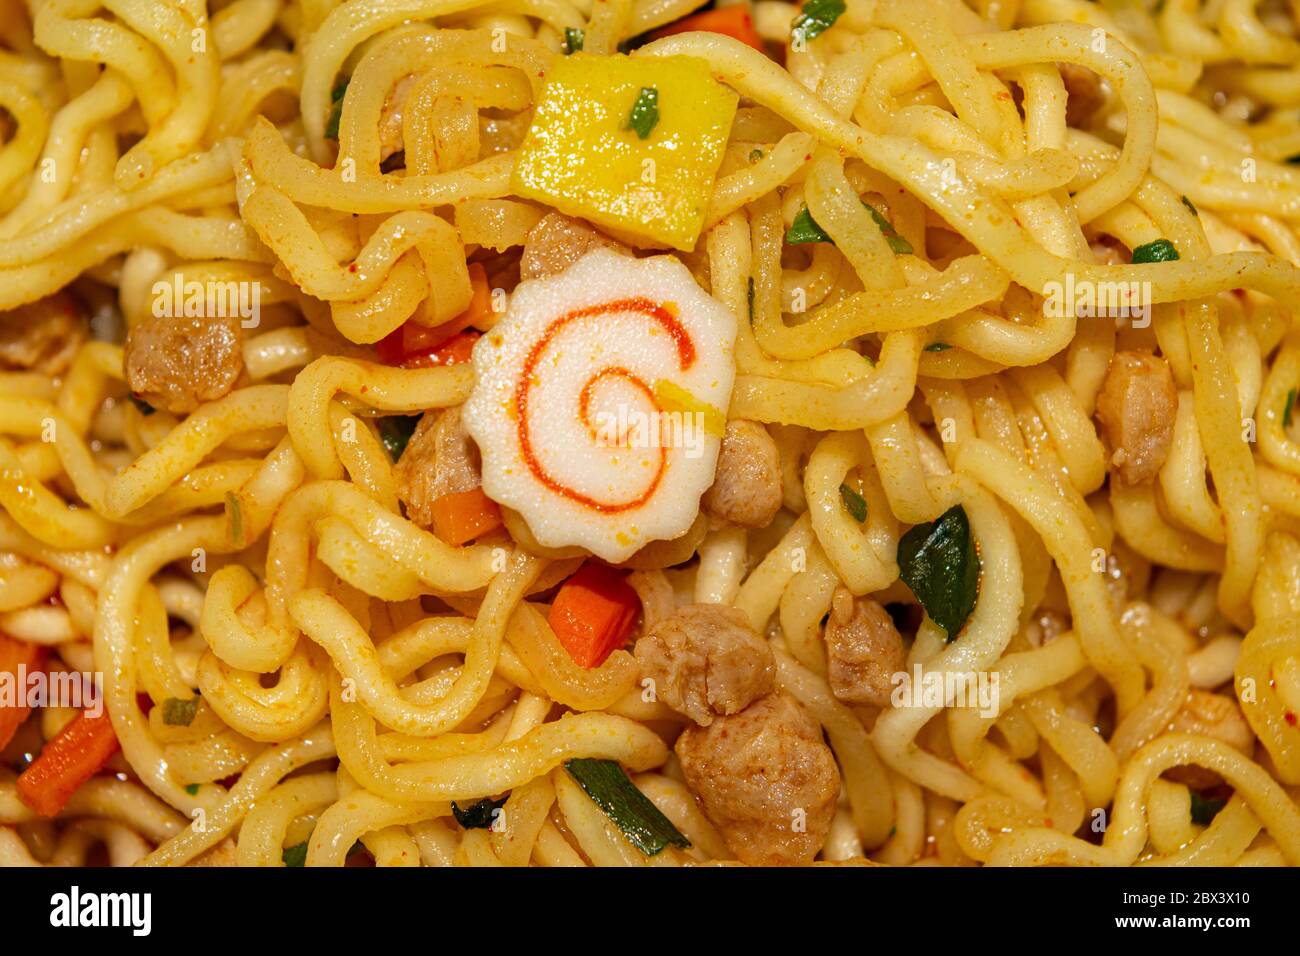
(1286, 412)
(1205, 809)
(395, 432)
(854, 503)
(749, 293)
(938, 347)
(145, 407)
(180, 713)
(574, 38)
(896, 242)
(805, 229)
(610, 789)
(939, 562)
(645, 112)
(478, 816)
(192, 788)
(816, 17)
(295, 855)
(1191, 207)
(1158, 250)
(236, 517)
(336, 111)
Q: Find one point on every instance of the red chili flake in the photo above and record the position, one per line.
(352, 267)
(1290, 718)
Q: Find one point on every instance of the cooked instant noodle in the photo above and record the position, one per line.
(568, 433)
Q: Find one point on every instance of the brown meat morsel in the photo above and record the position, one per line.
(1085, 94)
(746, 488)
(706, 660)
(1214, 715)
(42, 336)
(557, 242)
(766, 780)
(177, 363)
(223, 854)
(440, 459)
(863, 649)
(1137, 406)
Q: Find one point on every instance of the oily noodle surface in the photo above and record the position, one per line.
(255, 550)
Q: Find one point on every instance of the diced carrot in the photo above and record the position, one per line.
(593, 613)
(732, 21)
(413, 345)
(457, 350)
(408, 339)
(69, 759)
(14, 655)
(480, 302)
(464, 515)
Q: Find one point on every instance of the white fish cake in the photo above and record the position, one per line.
(598, 402)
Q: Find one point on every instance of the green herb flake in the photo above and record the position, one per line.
(854, 503)
(938, 560)
(1286, 412)
(236, 512)
(749, 292)
(755, 155)
(1158, 250)
(805, 229)
(645, 112)
(144, 407)
(179, 713)
(896, 242)
(816, 17)
(336, 111)
(192, 789)
(1190, 206)
(1205, 809)
(478, 816)
(938, 347)
(295, 855)
(610, 789)
(574, 38)
(395, 432)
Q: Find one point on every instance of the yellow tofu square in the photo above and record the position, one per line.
(581, 157)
